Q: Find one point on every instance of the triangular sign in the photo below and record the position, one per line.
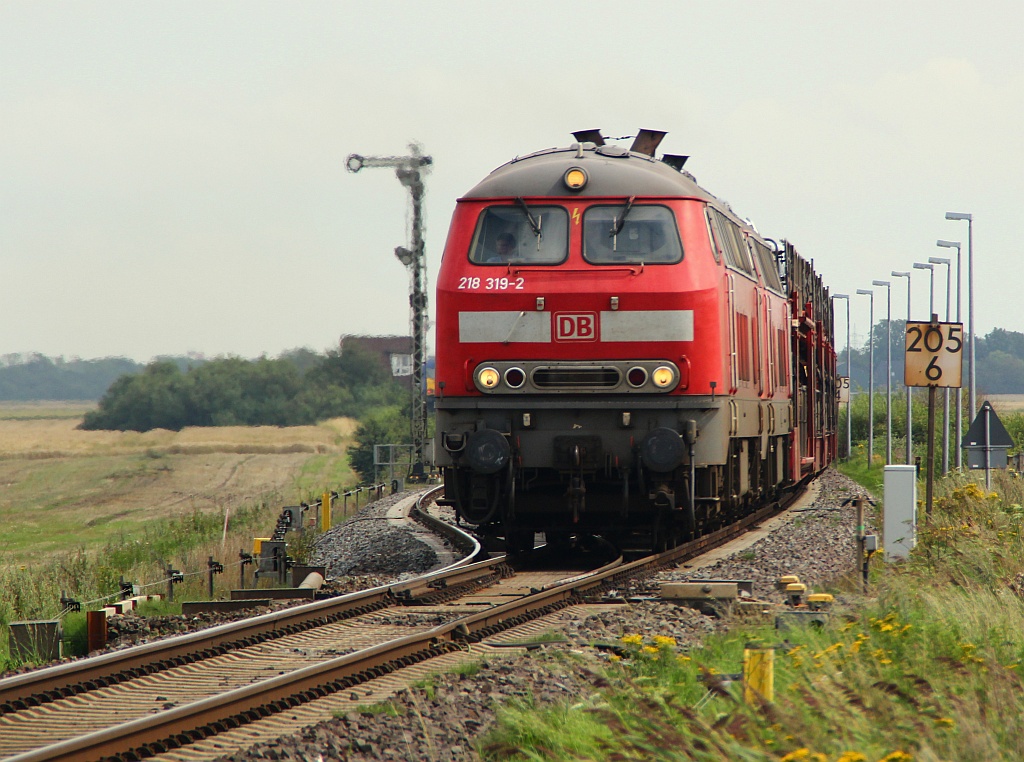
(998, 435)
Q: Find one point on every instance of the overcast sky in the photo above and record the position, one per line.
(172, 175)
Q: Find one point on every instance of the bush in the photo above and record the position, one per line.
(236, 392)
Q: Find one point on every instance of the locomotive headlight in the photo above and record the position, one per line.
(488, 377)
(574, 178)
(636, 377)
(515, 378)
(663, 376)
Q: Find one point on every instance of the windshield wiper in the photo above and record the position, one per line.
(620, 221)
(526, 210)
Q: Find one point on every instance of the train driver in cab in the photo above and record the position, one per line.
(505, 248)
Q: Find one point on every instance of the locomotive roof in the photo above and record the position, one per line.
(612, 171)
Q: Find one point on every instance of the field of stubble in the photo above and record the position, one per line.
(62, 488)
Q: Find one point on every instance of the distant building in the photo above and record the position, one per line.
(395, 354)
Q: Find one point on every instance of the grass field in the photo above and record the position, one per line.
(61, 488)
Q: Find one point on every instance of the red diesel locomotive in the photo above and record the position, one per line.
(619, 354)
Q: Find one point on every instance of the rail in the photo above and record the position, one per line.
(181, 725)
(52, 683)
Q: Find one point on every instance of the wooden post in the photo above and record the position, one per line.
(930, 466)
(96, 630)
(858, 503)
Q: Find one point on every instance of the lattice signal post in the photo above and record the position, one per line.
(410, 170)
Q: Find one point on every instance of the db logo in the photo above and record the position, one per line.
(576, 326)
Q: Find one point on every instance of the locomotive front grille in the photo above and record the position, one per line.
(569, 377)
(576, 378)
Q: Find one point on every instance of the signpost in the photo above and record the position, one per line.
(933, 359)
(986, 442)
(843, 398)
(843, 389)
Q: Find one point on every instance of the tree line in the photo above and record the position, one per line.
(298, 388)
(999, 359)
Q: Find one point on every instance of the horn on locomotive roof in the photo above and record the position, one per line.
(647, 141)
(674, 160)
(589, 136)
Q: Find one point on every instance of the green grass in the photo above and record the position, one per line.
(320, 470)
(33, 591)
(386, 708)
(59, 503)
(927, 669)
(872, 479)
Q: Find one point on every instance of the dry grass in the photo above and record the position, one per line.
(1006, 403)
(62, 488)
(49, 437)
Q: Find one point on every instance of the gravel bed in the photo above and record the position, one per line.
(815, 544)
(437, 722)
(366, 551)
(371, 543)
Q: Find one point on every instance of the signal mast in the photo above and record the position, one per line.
(409, 171)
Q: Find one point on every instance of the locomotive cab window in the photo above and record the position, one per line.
(630, 234)
(523, 234)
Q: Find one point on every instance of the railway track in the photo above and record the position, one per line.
(181, 697)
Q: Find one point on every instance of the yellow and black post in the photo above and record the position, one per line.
(758, 674)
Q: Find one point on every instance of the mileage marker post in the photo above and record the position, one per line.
(934, 353)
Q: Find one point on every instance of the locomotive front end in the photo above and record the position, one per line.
(567, 355)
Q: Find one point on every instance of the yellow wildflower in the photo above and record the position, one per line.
(650, 650)
(664, 640)
(802, 753)
(897, 756)
(945, 722)
(682, 658)
(632, 640)
(851, 756)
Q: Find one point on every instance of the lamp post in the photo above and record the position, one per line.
(910, 447)
(931, 286)
(945, 420)
(871, 375)
(849, 436)
(888, 367)
(959, 396)
(970, 305)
